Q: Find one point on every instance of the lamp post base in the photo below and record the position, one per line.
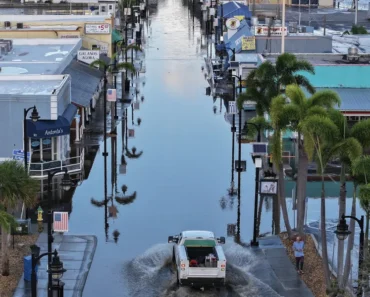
(254, 243)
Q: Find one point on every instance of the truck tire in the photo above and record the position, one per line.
(177, 278)
(173, 256)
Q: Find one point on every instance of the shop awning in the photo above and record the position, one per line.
(116, 35)
(52, 128)
(85, 81)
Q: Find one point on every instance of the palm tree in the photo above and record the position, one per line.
(269, 80)
(351, 139)
(297, 111)
(16, 186)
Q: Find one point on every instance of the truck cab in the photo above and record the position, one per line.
(199, 259)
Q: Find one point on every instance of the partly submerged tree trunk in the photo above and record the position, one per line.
(351, 238)
(342, 210)
(4, 253)
(282, 200)
(301, 187)
(324, 246)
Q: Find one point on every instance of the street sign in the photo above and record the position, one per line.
(19, 155)
(232, 107)
(131, 133)
(243, 165)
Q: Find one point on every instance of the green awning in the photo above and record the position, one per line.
(199, 243)
(116, 35)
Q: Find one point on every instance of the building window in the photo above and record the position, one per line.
(35, 150)
(110, 7)
(102, 8)
(46, 149)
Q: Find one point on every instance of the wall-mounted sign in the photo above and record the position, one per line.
(274, 31)
(248, 43)
(103, 48)
(88, 56)
(268, 186)
(19, 155)
(232, 24)
(69, 35)
(97, 28)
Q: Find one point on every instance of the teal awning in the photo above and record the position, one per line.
(116, 35)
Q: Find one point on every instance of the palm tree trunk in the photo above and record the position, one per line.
(325, 259)
(342, 209)
(347, 265)
(301, 186)
(4, 253)
(282, 201)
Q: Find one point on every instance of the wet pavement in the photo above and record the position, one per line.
(76, 252)
(173, 176)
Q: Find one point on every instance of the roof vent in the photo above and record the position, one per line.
(353, 55)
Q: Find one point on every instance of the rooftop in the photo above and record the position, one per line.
(39, 56)
(30, 84)
(325, 59)
(52, 18)
(353, 99)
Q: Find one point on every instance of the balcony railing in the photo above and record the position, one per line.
(40, 169)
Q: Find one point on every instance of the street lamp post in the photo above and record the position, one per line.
(66, 184)
(34, 117)
(55, 271)
(254, 241)
(342, 233)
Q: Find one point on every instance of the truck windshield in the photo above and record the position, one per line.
(199, 243)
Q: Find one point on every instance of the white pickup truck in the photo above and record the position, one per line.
(199, 258)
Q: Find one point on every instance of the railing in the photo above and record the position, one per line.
(73, 164)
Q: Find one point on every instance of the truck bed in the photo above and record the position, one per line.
(200, 253)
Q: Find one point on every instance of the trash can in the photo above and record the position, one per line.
(27, 268)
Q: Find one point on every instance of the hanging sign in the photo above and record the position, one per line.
(136, 105)
(131, 133)
(232, 107)
(248, 43)
(268, 186)
(88, 56)
(232, 24)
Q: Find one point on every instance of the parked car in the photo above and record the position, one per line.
(199, 259)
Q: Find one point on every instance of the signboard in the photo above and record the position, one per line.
(239, 17)
(69, 35)
(232, 107)
(232, 24)
(268, 186)
(242, 166)
(88, 56)
(97, 28)
(130, 41)
(19, 155)
(127, 11)
(275, 31)
(248, 43)
(136, 105)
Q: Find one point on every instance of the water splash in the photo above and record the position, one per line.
(152, 274)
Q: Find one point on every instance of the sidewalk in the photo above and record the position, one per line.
(76, 252)
(276, 270)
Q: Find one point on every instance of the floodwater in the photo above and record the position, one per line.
(180, 178)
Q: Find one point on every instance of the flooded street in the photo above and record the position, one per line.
(179, 179)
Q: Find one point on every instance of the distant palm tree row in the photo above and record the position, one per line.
(323, 135)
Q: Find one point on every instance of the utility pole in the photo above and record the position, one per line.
(283, 31)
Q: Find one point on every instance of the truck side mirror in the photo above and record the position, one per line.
(173, 239)
(221, 240)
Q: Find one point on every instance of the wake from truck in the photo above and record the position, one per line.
(152, 274)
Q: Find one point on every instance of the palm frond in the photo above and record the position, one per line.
(7, 221)
(276, 147)
(124, 200)
(360, 131)
(340, 121)
(295, 94)
(98, 203)
(132, 154)
(316, 110)
(325, 98)
(99, 63)
(361, 166)
(16, 185)
(126, 66)
(304, 82)
(364, 195)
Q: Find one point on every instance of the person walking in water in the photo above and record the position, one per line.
(298, 247)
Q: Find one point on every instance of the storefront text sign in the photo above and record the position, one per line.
(69, 35)
(274, 31)
(88, 56)
(97, 29)
(248, 43)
